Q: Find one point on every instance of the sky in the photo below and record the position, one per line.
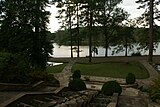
(129, 5)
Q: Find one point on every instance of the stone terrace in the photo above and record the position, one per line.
(132, 94)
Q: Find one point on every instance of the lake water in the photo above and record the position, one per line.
(65, 51)
(53, 63)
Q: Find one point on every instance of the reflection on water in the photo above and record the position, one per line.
(53, 63)
(64, 51)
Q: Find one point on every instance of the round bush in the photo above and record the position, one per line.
(77, 85)
(111, 87)
(76, 74)
(130, 78)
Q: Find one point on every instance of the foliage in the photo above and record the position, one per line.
(148, 19)
(111, 87)
(50, 36)
(124, 38)
(95, 51)
(136, 54)
(130, 78)
(77, 85)
(143, 20)
(103, 13)
(76, 74)
(40, 75)
(62, 37)
(141, 38)
(110, 16)
(13, 68)
(24, 30)
(155, 89)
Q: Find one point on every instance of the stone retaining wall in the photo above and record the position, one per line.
(14, 87)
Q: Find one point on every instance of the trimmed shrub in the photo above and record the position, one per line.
(111, 87)
(77, 85)
(130, 78)
(76, 74)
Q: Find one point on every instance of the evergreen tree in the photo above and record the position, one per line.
(147, 19)
(24, 30)
(109, 17)
(124, 39)
(65, 15)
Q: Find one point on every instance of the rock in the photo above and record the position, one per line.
(130, 92)
(142, 87)
(71, 103)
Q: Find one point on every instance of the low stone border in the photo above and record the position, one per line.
(23, 94)
(24, 87)
(19, 87)
(58, 90)
(114, 101)
(13, 87)
(101, 79)
(78, 101)
(12, 100)
(135, 85)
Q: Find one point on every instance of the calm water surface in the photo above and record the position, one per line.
(64, 51)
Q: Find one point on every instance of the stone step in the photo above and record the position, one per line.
(39, 101)
(97, 105)
(49, 99)
(24, 104)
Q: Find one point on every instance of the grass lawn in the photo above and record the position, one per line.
(56, 69)
(119, 70)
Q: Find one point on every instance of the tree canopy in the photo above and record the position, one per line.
(24, 30)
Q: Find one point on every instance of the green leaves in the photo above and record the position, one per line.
(24, 30)
(144, 18)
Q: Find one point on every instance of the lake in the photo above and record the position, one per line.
(64, 51)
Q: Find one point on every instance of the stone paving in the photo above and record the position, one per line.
(7, 95)
(126, 99)
(65, 75)
(152, 73)
(129, 98)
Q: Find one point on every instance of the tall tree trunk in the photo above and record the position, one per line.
(37, 21)
(70, 28)
(105, 33)
(126, 42)
(36, 48)
(151, 32)
(77, 31)
(90, 34)
(106, 45)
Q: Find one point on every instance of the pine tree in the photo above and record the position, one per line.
(147, 19)
(24, 30)
(109, 17)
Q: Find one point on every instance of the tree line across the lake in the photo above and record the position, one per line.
(105, 23)
(25, 39)
(123, 39)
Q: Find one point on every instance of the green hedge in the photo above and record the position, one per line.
(76, 74)
(130, 78)
(111, 87)
(77, 85)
